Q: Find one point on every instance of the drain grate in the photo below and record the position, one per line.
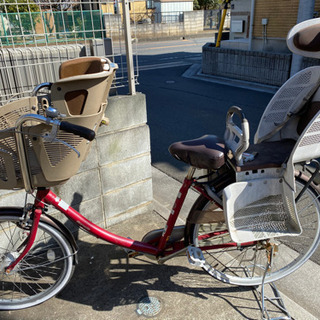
(149, 307)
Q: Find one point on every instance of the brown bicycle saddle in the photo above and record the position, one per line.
(206, 152)
(209, 152)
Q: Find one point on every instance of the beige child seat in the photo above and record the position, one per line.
(81, 95)
(261, 203)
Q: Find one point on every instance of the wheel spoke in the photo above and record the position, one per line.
(41, 274)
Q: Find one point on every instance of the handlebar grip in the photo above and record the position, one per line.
(78, 130)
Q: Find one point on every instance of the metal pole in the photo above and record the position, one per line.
(251, 24)
(128, 42)
(224, 12)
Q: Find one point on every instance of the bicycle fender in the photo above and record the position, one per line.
(45, 218)
(64, 230)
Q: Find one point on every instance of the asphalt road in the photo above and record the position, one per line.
(181, 108)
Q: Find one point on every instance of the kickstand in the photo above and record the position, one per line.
(276, 299)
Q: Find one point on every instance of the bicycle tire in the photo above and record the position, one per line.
(245, 266)
(42, 273)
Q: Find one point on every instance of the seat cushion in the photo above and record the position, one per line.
(206, 152)
(270, 154)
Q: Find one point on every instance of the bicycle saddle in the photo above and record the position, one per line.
(206, 152)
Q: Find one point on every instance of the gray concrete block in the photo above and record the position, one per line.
(91, 209)
(5, 192)
(125, 112)
(126, 199)
(123, 173)
(14, 198)
(146, 207)
(123, 144)
(83, 186)
(264, 67)
(91, 161)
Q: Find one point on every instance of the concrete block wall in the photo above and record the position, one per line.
(115, 181)
(159, 30)
(192, 23)
(254, 66)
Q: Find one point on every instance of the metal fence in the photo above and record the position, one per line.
(36, 36)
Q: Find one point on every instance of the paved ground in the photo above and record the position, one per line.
(108, 285)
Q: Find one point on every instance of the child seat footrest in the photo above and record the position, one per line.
(260, 209)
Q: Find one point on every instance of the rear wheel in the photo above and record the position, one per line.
(41, 274)
(245, 264)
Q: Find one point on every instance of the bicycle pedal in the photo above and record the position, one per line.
(195, 257)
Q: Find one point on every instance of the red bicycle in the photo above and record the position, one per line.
(243, 219)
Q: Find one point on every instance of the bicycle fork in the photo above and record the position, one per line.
(30, 239)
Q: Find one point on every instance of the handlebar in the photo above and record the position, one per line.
(39, 87)
(77, 130)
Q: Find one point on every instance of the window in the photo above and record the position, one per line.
(150, 4)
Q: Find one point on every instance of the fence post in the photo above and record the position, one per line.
(128, 42)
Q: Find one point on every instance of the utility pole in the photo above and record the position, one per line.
(129, 51)
(224, 12)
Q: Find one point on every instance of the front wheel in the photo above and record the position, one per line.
(245, 264)
(41, 274)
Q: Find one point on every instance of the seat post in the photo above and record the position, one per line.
(190, 173)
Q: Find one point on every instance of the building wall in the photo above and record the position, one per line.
(174, 6)
(281, 15)
(135, 6)
(240, 11)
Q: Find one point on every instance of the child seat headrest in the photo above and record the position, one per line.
(304, 38)
(81, 66)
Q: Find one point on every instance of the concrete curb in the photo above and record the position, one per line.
(194, 72)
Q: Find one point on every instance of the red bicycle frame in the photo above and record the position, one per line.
(46, 196)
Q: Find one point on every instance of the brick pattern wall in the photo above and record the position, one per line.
(281, 15)
(261, 67)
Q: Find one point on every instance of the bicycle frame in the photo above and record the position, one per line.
(47, 197)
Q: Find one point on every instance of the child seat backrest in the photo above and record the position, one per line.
(80, 66)
(285, 107)
(81, 94)
(83, 86)
(286, 104)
